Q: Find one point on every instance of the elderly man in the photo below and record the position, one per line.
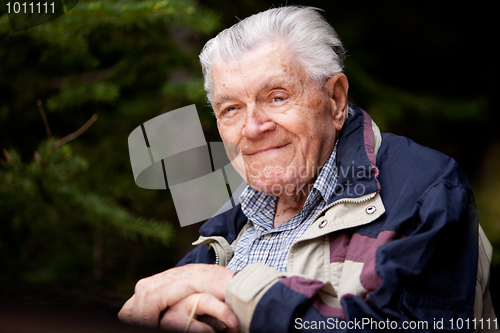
(341, 227)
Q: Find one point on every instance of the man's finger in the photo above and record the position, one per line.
(177, 317)
(125, 313)
(211, 305)
(197, 327)
(180, 326)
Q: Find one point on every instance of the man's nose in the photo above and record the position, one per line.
(257, 121)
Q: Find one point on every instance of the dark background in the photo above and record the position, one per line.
(76, 233)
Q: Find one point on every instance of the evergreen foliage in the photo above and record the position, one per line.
(47, 216)
(72, 210)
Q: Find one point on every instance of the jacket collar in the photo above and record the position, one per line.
(356, 157)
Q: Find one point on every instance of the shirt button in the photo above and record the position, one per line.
(371, 209)
(267, 237)
(323, 223)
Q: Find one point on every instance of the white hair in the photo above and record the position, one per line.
(302, 30)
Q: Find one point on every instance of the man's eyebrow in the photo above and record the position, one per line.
(222, 99)
(273, 83)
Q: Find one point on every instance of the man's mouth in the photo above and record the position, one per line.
(264, 150)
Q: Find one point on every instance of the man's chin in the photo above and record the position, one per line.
(273, 187)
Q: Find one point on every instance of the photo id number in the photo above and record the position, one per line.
(30, 8)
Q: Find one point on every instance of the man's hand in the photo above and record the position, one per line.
(156, 293)
(177, 316)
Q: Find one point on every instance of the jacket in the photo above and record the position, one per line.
(397, 246)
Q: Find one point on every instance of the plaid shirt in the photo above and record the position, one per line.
(268, 245)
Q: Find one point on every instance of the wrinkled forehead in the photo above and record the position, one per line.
(260, 68)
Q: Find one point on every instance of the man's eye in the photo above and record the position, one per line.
(278, 99)
(229, 111)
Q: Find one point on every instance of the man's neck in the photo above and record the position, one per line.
(287, 206)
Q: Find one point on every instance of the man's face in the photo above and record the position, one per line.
(284, 125)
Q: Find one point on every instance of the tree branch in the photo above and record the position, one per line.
(76, 133)
(44, 118)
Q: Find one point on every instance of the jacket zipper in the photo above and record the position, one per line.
(214, 247)
(345, 200)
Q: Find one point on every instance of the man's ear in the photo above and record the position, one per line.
(337, 88)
